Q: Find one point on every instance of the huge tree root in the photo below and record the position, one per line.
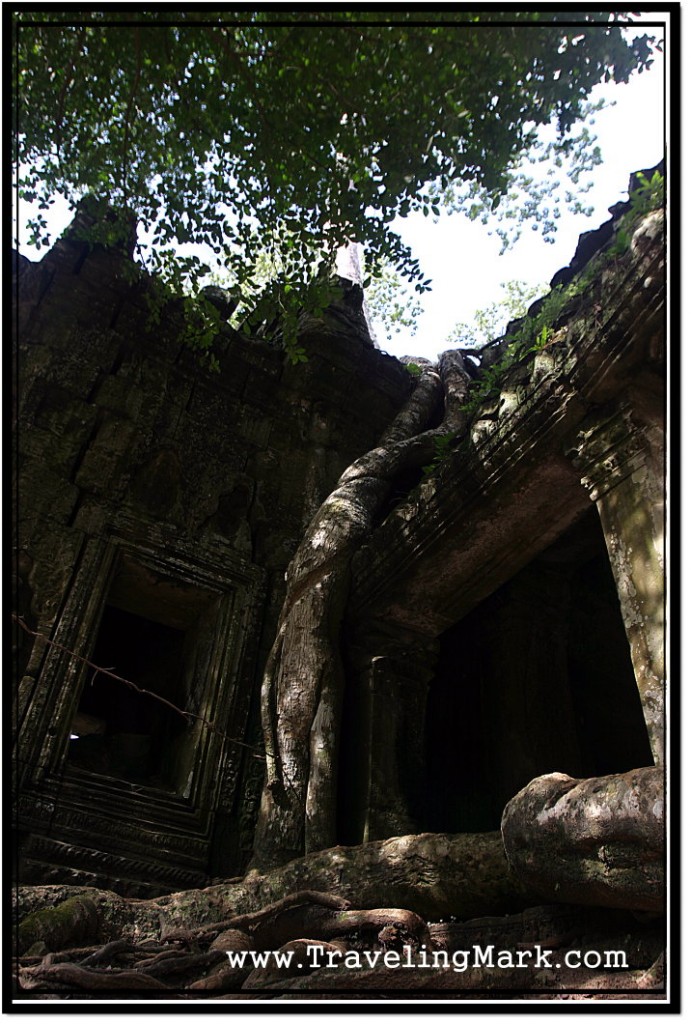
(337, 913)
(198, 956)
(303, 682)
(312, 941)
(373, 896)
(431, 875)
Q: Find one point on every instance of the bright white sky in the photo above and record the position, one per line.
(463, 258)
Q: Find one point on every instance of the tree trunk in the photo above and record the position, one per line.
(303, 682)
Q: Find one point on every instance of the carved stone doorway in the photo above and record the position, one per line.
(121, 788)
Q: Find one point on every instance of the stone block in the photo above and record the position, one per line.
(44, 496)
(107, 456)
(121, 395)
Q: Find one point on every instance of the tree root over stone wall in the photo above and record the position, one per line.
(382, 897)
(303, 681)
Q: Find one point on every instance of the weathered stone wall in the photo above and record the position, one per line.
(120, 432)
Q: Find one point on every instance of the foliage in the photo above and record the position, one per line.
(529, 198)
(532, 334)
(256, 132)
(490, 322)
(442, 448)
(648, 195)
(392, 306)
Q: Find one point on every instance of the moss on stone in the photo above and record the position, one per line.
(70, 923)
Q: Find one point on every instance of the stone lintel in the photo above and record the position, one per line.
(485, 536)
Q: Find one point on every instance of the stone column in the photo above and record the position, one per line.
(621, 455)
(393, 673)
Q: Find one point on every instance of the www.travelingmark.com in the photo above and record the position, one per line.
(315, 956)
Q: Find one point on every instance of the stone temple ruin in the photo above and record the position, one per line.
(506, 619)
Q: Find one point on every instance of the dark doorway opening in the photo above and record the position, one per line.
(118, 730)
(158, 633)
(536, 679)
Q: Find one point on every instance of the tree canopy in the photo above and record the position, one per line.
(291, 133)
